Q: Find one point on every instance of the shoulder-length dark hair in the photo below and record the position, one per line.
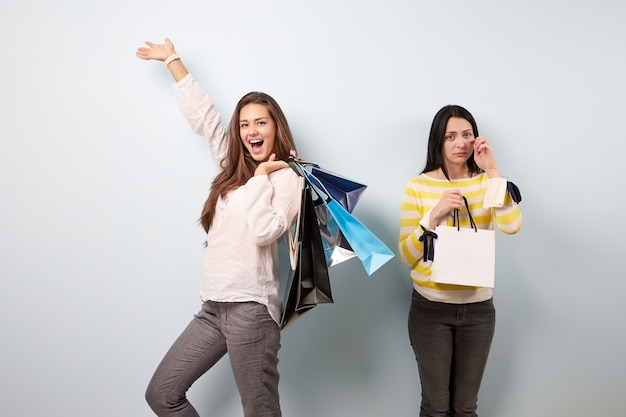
(238, 165)
(434, 157)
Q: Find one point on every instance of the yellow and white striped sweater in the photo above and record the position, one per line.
(487, 199)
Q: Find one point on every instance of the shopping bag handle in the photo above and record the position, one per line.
(298, 164)
(456, 221)
(293, 163)
(310, 178)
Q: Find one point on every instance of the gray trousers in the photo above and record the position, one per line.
(251, 338)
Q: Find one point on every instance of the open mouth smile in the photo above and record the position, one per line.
(256, 143)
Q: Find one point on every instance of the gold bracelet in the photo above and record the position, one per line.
(171, 58)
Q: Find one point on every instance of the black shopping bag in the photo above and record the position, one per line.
(310, 282)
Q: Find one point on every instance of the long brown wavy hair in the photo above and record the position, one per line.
(238, 165)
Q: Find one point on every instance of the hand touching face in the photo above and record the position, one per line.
(483, 155)
(459, 143)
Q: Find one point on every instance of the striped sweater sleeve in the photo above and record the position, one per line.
(507, 213)
(509, 216)
(409, 246)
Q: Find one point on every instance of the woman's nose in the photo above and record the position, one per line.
(462, 142)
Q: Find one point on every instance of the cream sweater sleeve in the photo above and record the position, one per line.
(202, 115)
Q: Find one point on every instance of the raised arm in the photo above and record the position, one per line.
(193, 102)
(166, 53)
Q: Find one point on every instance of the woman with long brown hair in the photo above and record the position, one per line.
(253, 201)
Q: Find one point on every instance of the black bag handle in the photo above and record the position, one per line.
(456, 221)
(428, 235)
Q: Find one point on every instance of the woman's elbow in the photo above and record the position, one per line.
(265, 240)
(267, 236)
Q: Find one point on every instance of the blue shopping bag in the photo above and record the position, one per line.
(371, 251)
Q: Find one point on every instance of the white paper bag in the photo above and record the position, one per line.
(464, 256)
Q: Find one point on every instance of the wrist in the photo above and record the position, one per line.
(493, 173)
(433, 219)
(172, 57)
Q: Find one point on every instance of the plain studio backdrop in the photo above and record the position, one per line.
(102, 181)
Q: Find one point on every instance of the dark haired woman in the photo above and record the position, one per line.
(451, 326)
(253, 201)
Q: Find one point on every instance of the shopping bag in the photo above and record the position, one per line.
(346, 192)
(310, 282)
(336, 247)
(372, 252)
(463, 255)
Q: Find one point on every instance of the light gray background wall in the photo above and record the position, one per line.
(101, 182)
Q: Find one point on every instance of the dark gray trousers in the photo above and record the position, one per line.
(451, 344)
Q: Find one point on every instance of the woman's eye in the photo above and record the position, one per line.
(243, 125)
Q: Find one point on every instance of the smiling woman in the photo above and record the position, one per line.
(257, 130)
(253, 201)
